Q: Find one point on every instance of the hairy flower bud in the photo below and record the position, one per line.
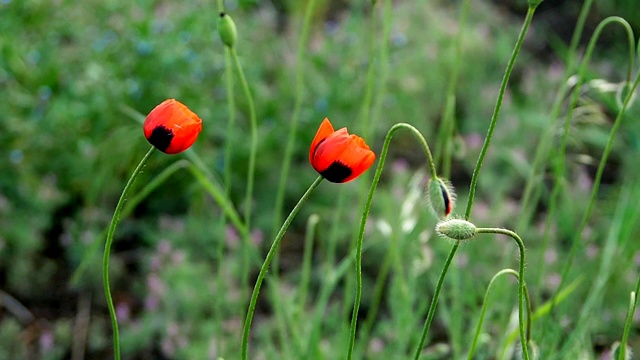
(442, 198)
(456, 229)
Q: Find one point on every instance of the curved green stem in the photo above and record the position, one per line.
(267, 262)
(107, 252)
(485, 303)
(522, 284)
(476, 172)
(542, 150)
(365, 215)
(293, 125)
(88, 259)
(605, 155)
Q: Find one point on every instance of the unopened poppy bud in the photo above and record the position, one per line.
(456, 229)
(171, 127)
(442, 198)
(227, 30)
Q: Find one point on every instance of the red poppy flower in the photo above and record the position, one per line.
(338, 156)
(171, 127)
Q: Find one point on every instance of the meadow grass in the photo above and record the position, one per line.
(547, 148)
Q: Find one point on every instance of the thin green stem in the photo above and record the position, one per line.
(485, 304)
(267, 261)
(446, 128)
(377, 294)
(633, 303)
(367, 99)
(496, 110)
(254, 136)
(217, 193)
(521, 282)
(231, 108)
(365, 215)
(607, 150)
(383, 68)
(434, 301)
(297, 106)
(228, 150)
(476, 172)
(307, 258)
(542, 150)
(131, 204)
(107, 252)
(251, 170)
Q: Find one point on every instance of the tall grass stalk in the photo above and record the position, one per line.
(476, 172)
(107, 251)
(365, 215)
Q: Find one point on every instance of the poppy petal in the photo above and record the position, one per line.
(324, 131)
(328, 151)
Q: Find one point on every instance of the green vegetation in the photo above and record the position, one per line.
(560, 172)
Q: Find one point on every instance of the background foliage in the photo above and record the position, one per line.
(75, 78)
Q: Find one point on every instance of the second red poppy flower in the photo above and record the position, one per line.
(339, 156)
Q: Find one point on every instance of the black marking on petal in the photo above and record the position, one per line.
(161, 138)
(445, 196)
(337, 172)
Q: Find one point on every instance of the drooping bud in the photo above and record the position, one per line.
(227, 30)
(442, 198)
(456, 229)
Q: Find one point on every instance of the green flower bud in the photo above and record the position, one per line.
(456, 229)
(442, 198)
(227, 30)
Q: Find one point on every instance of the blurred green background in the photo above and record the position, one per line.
(76, 78)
